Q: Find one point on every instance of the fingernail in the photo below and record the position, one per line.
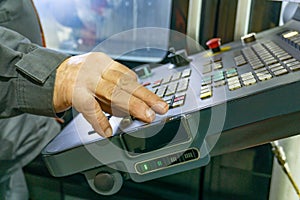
(108, 132)
(161, 107)
(150, 114)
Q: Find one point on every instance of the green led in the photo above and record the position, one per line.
(145, 167)
(159, 163)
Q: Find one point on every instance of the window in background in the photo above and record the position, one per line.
(265, 14)
(179, 24)
(217, 20)
(124, 29)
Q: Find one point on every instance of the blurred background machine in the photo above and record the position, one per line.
(224, 101)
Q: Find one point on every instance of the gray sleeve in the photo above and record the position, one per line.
(27, 75)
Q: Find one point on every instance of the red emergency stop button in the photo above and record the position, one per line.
(214, 44)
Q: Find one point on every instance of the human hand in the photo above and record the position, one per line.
(93, 83)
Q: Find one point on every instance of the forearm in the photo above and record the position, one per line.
(27, 76)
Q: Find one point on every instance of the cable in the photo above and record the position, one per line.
(281, 158)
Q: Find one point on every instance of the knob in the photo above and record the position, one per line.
(214, 44)
(104, 181)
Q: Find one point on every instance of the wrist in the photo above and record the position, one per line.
(63, 86)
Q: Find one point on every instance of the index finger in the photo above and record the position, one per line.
(151, 99)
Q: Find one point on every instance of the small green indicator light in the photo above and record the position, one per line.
(159, 163)
(145, 167)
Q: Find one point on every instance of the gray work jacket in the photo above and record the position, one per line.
(27, 70)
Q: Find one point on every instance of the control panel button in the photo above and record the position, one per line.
(295, 67)
(234, 86)
(186, 73)
(156, 83)
(206, 68)
(280, 72)
(206, 92)
(183, 85)
(251, 37)
(240, 60)
(217, 65)
(171, 89)
(207, 80)
(176, 76)
(214, 44)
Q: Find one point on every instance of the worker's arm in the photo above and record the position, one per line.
(27, 75)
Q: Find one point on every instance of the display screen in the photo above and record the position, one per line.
(156, 136)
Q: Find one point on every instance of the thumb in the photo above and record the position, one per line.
(93, 113)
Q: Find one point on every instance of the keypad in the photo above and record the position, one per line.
(292, 37)
(259, 62)
(265, 61)
(172, 89)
